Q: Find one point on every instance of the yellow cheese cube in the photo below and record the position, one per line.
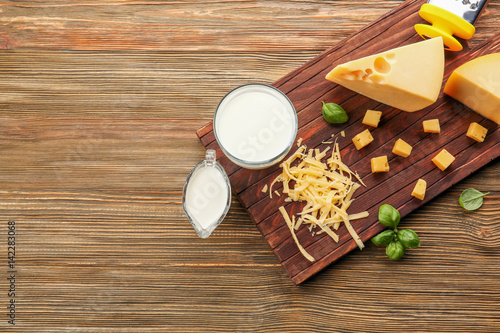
(475, 84)
(380, 164)
(443, 159)
(431, 126)
(408, 77)
(477, 132)
(402, 148)
(372, 118)
(362, 139)
(419, 190)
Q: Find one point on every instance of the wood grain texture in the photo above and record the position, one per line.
(187, 26)
(306, 88)
(99, 104)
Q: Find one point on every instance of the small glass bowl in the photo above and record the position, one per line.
(208, 197)
(266, 134)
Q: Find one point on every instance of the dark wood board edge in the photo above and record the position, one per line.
(261, 208)
(206, 130)
(467, 153)
(350, 39)
(442, 185)
(308, 112)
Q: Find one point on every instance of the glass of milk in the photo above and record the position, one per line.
(207, 195)
(255, 125)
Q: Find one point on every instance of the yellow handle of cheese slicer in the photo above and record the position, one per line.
(444, 24)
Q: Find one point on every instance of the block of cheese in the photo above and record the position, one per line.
(477, 132)
(402, 148)
(362, 139)
(408, 77)
(431, 126)
(443, 159)
(380, 164)
(372, 118)
(477, 85)
(419, 190)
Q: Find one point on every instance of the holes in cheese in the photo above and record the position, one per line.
(362, 139)
(408, 77)
(477, 132)
(327, 187)
(379, 164)
(390, 56)
(377, 78)
(381, 65)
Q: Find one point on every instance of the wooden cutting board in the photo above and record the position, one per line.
(306, 87)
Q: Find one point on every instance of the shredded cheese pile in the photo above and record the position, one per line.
(327, 188)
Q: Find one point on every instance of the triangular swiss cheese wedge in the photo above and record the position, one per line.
(408, 77)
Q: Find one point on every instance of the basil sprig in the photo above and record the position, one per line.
(395, 250)
(471, 199)
(334, 113)
(396, 241)
(389, 216)
(384, 238)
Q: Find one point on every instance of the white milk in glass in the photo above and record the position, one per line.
(206, 195)
(255, 125)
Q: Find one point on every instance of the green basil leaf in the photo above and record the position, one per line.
(471, 199)
(383, 238)
(334, 113)
(389, 216)
(408, 238)
(395, 250)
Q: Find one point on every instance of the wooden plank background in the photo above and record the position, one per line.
(306, 87)
(99, 104)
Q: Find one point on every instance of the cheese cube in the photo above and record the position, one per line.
(419, 190)
(372, 118)
(431, 126)
(362, 139)
(402, 148)
(477, 132)
(475, 84)
(443, 159)
(380, 164)
(408, 77)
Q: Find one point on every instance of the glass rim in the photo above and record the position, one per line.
(294, 118)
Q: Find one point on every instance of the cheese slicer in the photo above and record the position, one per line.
(449, 18)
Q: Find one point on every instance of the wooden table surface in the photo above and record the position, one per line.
(99, 104)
